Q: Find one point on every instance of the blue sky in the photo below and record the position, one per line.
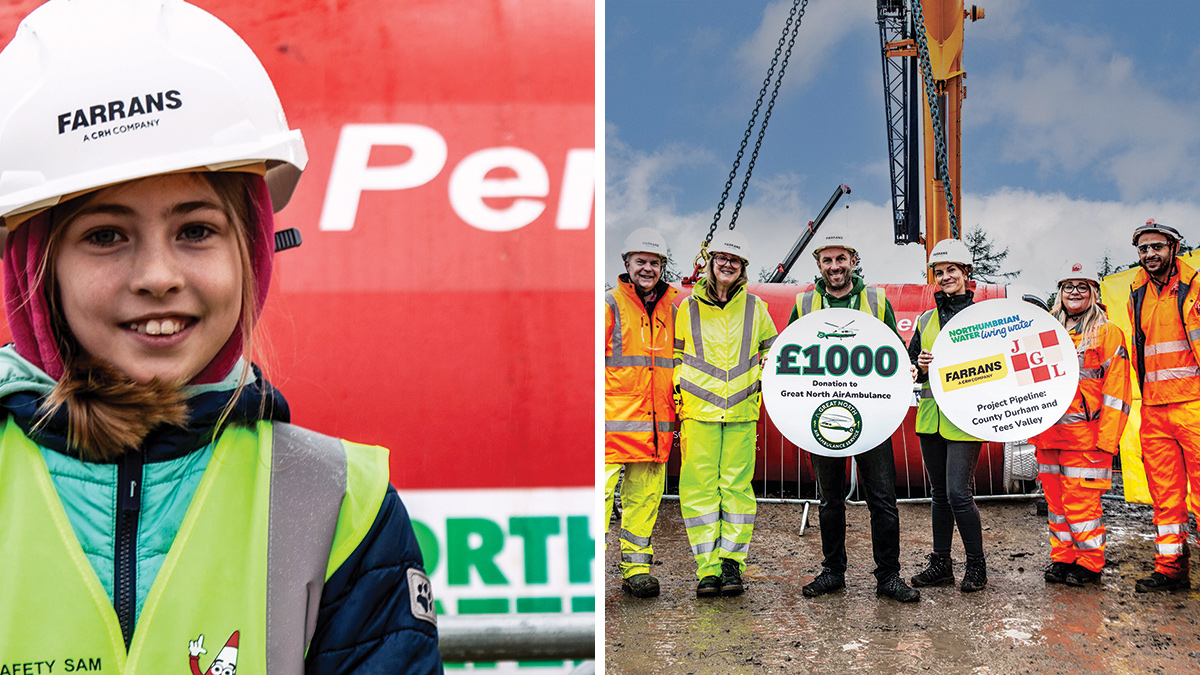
(1082, 120)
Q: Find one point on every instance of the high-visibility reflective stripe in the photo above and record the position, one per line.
(704, 367)
(1116, 404)
(705, 547)
(806, 302)
(680, 344)
(627, 361)
(738, 518)
(1091, 373)
(1122, 352)
(697, 335)
(766, 344)
(719, 401)
(926, 391)
(923, 320)
(1072, 418)
(1168, 549)
(733, 546)
(1080, 472)
(615, 340)
(1089, 525)
(873, 300)
(747, 328)
(720, 373)
(1194, 335)
(634, 539)
(1167, 347)
(1062, 536)
(1056, 518)
(637, 558)
(664, 362)
(628, 425)
(1172, 374)
(1095, 542)
(706, 519)
(744, 367)
(1048, 468)
(1173, 528)
(665, 426)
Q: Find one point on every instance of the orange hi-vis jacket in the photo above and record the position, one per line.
(1166, 336)
(639, 363)
(1097, 415)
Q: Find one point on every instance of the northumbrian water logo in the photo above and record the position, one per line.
(836, 424)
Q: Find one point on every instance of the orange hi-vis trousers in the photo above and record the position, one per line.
(1170, 439)
(1073, 481)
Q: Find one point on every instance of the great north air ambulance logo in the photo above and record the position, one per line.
(836, 424)
(224, 664)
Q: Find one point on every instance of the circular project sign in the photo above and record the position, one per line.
(1003, 370)
(837, 382)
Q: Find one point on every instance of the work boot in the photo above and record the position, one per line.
(827, 581)
(895, 588)
(1081, 575)
(1056, 573)
(1157, 581)
(709, 587)
(974, 578)
(641, 586)
(731, 577)
(939, 573)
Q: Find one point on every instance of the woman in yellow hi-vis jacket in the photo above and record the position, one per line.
(722, 334)
(157, 512)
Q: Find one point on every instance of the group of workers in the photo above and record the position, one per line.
(700, 364)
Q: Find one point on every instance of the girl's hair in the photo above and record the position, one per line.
(1088, 323)
(710, 287)
(108, 413)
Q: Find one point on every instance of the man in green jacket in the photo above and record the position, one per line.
(840, 287)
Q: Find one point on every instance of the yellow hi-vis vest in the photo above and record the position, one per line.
(930, 419)
(277, 511)
(871, 300)
(718, 350)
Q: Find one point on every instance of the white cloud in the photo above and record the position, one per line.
(822, 27)
(1073, 105)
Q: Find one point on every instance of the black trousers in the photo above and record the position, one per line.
(951, 469)
(877, 478)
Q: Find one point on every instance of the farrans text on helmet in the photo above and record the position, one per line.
(102, 113)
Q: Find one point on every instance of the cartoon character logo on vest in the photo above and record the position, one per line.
(224, 664)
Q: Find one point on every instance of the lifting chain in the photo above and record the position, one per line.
(935, 111)
(789, 38)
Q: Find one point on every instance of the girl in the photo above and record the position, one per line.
(154, 504)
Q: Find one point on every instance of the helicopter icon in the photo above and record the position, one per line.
(837, 422)
(839, 332)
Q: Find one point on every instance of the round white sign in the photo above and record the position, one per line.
(1003, 370)
(837, 382)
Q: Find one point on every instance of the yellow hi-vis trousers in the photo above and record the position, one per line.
(641, 493)
(714, 491)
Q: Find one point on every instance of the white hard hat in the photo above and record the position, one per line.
(731, 242)
(98, 92)
(950, 251)
(1151, 226)
(647, 240)
(1081, 271)
(831, 241)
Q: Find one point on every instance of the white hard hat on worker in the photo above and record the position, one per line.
(644, 254)
(99, 92)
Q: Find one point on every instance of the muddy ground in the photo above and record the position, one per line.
(1018, 624)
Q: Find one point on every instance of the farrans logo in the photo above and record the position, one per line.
(836, 424)
(115, 111)
(967, 374)
(993, 328)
